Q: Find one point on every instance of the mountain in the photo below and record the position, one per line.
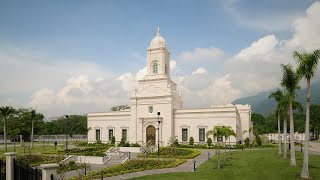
(261, 103)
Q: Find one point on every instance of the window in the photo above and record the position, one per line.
(110, 134)
(98, 135)
(155, 68)
(202, 134)
(124, 134)
(184, 134)
(165, 69)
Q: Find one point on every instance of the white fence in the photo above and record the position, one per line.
(273, 137)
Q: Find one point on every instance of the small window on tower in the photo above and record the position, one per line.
(165, 69)
(155, 68)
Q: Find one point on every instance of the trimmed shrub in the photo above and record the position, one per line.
(246, 141)
(135, 145)
(258, 140)
(191, 141)
(133, 165)
(113, 140)
(209, 142)
(171, 152)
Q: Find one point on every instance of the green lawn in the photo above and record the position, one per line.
(249, 164)
(37, 149)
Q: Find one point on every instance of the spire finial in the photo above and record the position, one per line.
(158, 31)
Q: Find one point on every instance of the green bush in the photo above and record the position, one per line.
(36, 160)
(122, 142)
(246, 141)
(135, 145)
(209, 142)
(258, 140)
(175, 143)
(191, 141)
(133, 165)
(113, 140)
(171, 152)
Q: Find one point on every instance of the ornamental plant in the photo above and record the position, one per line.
(191, 141)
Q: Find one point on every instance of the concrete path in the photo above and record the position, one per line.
(185, 167)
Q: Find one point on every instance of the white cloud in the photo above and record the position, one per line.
(259, 49)
(199, 54)
(200, 70)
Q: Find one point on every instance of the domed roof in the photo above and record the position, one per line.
(158, 41)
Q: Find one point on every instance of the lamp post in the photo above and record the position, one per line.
(67, 137)
(158, 133)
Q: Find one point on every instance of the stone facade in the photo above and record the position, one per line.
(156, 92)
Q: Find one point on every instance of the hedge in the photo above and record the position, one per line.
(133, 165)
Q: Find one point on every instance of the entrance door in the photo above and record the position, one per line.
(151, 135)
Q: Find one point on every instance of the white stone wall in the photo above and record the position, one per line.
(104, 121)
(245, 116)
(194, 119)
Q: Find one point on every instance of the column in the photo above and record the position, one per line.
(48, 170)
(10, 156)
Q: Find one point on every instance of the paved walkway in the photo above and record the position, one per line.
(185, 167)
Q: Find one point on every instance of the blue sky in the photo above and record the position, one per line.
(113, 35)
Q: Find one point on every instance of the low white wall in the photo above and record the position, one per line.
(92, 159)
(130, 149)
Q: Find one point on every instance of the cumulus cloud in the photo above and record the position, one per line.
(200, 70)
(200, 54)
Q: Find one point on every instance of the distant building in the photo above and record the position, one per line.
(158, 93)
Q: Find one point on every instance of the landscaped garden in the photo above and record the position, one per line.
(249, 164)
(133, 165)
(171, 152)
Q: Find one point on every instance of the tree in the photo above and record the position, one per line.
(6, 111)
(277, 96)
(307, 66)
(120, 107)
(34, 116)
(217, 132)
(290, 81)
(228, 133)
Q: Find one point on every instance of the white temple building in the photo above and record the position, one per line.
(157, 93)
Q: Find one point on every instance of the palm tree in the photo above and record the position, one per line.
(217, 132)
(278, 96)
(290, 81)
(5, 111)
(34, 116)
(228, 133)
(307, 66)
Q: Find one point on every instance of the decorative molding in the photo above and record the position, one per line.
(202, 126)
(184, 126)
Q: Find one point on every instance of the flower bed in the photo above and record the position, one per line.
(133, 165)
(170, 152)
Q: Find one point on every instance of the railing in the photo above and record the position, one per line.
(2, 170)
(23, 171)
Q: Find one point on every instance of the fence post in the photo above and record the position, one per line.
(49, 171)
(10, 156)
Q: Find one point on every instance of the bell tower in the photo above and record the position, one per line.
(158, 58)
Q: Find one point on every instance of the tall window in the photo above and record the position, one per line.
(184, 134)
(202, 134)
(98, 135)
(155, 68)
(110, 134)
(165, 69)
(124, 134)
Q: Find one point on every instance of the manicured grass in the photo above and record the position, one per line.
(262, 164)
(37, 149)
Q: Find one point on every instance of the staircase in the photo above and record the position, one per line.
(116, 156)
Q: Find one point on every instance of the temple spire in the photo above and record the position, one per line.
(158, 31)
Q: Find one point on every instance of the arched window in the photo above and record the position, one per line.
(155, 68)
